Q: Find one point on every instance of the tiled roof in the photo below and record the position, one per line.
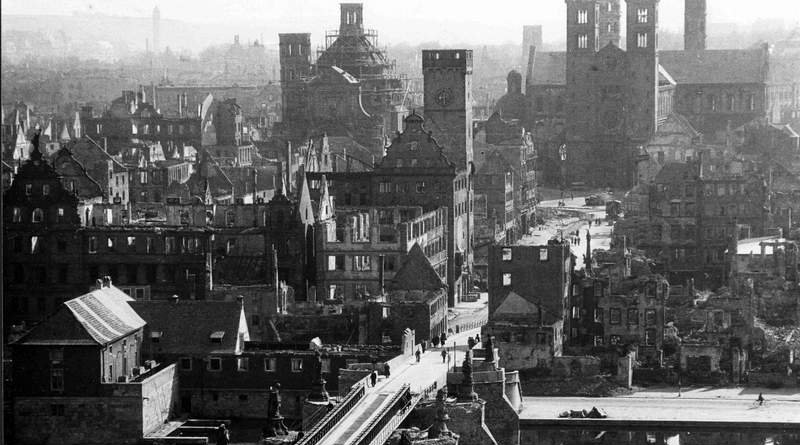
(549, 68)
(100, 317)
(715, 66)
(186, 326)
(416, 273)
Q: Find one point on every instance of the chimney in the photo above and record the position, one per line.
(106, 281)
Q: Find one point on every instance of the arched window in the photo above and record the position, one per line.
(38, 215)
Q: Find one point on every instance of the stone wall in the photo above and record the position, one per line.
(576, 366)
(159, 395)
(466, 420)
(123, 415)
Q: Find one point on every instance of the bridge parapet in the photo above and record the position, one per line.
(335, 415)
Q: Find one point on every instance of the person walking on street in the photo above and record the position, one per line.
(418, 354)
(423, 346)
(470, 343)
(760, 399)
(444, 355)
(386, 370)
(477, 338)
(443, 338)
(373, 378)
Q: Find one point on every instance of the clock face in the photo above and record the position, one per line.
(444, 97)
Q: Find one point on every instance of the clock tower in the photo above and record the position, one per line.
(448, 101)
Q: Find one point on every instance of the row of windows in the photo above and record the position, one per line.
(649, 338)
(214, 364)
(731, 103)
(615, 316)
(167, 129)
(37, 216)
(172, 245)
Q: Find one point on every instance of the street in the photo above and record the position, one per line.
(668, 408)
(601, 233)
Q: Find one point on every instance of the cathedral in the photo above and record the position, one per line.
(351, 90)
(595, 107)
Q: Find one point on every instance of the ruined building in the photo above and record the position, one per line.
(351, 90)
(602, 103)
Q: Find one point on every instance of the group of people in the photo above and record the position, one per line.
(373, 377)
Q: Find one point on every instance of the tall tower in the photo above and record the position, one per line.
(531, 36)
(609, 22)
(351, 22)
(694, 25)
(582, 45)
(642, 54)
(447, 75)
(295, 60)
(156, 30)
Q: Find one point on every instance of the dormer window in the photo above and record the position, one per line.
(155, 336)
(216, 336)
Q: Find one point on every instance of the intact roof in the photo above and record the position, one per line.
(98, 318)
(549, 68)
(715, 66)
(416, 273)
(186, 326)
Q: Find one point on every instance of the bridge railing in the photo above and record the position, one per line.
(399, 403)
(332, 418)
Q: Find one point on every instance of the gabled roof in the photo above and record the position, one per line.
(514, 304)
(186, 326)
(98, 318)
(715, 66)
(416, 273)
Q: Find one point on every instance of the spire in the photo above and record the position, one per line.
(325, 202)
(64, 137)
(49, 130)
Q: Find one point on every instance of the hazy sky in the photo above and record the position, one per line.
(414, 21)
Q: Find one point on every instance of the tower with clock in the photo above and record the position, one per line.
(448, 101)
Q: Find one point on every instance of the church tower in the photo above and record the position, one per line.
(694, 25)
(642, 53)
(609, 22)
(351, 22)
(295, 61)
(448, 101)
(582, 45)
